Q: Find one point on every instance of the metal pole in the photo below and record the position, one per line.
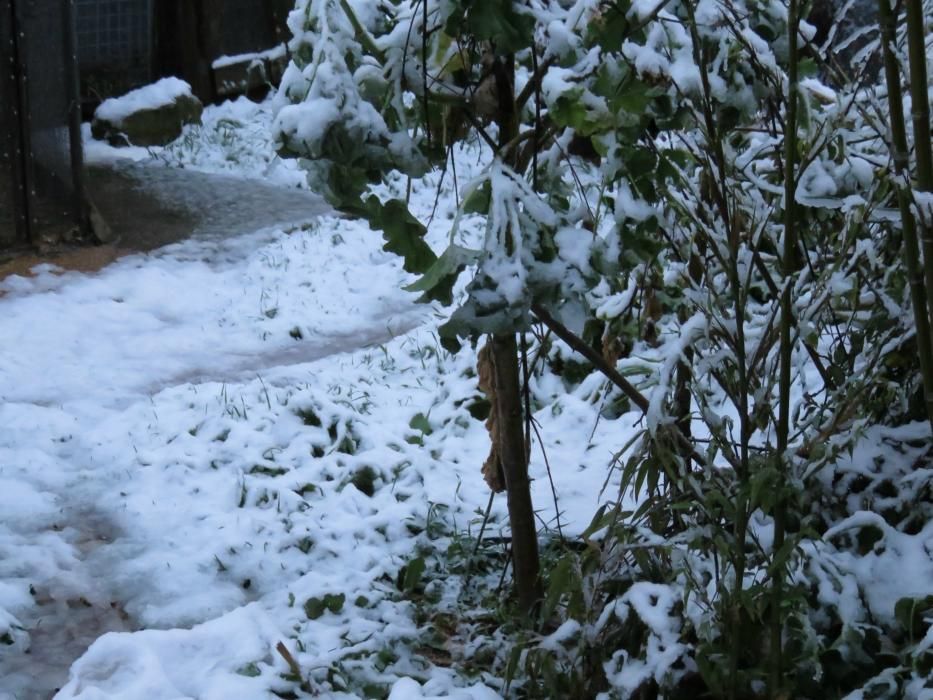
(23, 175)
(72, 86)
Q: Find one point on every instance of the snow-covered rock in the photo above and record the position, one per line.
(149, 116)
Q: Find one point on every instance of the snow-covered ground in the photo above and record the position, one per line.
(228, 459)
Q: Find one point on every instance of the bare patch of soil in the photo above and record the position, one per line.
(78, 259)
(64, 622)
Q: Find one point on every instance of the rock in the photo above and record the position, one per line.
(100, 229)
(150, 116)
(249, 74)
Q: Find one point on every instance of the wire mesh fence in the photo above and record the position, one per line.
(114, 31)
(115, 50)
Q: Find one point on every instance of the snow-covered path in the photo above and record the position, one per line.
(159, 319)
(80, 351)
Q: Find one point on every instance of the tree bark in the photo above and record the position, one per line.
(515, 469)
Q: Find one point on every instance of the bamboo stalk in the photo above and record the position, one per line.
(919, 293)
(789, 265)
(923, 139)
(719, 194)
(916, 50)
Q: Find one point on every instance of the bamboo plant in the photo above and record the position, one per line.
(920, 279)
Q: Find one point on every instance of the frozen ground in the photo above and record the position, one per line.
(227, 445)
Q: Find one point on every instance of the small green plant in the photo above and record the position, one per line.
(315, 607)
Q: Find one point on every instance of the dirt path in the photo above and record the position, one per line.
(149, 205)
(71, 610)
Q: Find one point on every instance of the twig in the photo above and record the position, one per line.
(590, 354)
(550, 478)
(609, 371)
(289, 659)
(482, 528)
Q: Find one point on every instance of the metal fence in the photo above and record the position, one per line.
(11, 186)
(114, 44)
(123, 44)
(41, 197)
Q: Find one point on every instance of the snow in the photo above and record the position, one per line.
(233, 138)
(653, 604)
(566, 631)
(200, 440)
(822, 92)
(560, 40)
(216, 458)
(409, 689)
(159, 94)
(923, 206)
(179, 306)
(688, 334)
(628, 206)
(171, 664)
(276, 52)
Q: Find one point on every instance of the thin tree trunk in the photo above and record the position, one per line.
(512, 449)
(515, 469)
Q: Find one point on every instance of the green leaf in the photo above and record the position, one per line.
(477, 202)
(450, 341)
(807, 68)
(420, 422)
(562, 581)
(571, 110)
(910, 612)
(402, 232)
(499, 22)
(636, 96)
(479, 409)
(334, 601)
(315, 607)
(640, 242)
(640, 162)
(485, 310)
(600, 520)
(765, 486)
(413, 573)
(438, 281)
(250, 670)
(611, 27)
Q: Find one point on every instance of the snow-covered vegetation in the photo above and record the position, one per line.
(699, 199)
(693, 305)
